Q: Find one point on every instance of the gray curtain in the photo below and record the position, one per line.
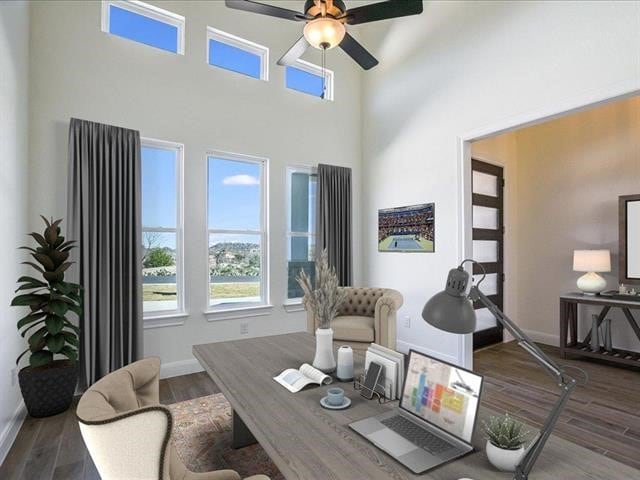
(334, 218)
(104, 217)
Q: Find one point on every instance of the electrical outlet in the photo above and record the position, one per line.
(244, 328)
(14, 377)
(407, 321)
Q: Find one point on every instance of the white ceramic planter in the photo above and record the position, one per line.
(324, 359)
(505, 460)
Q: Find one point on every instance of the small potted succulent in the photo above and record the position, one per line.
(505, 442)
(49, 381)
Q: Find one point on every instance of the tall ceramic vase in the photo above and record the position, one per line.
(324, 359)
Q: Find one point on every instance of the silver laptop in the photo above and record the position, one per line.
(435, 419)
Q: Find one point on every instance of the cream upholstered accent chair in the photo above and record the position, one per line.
(367, 315)
(128, 432)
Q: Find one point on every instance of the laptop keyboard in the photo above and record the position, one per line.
(417, 435)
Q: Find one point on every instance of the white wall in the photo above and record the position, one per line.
(14, 58)
(79, 71)
(455, 69)
(570, 172)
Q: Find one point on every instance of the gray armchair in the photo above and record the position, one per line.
(368, 315)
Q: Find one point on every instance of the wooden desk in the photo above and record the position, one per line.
(306, 441)
(569, 327)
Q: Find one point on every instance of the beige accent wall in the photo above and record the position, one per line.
(563, 196)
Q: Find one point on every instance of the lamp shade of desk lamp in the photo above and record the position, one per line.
(451, 310)
(591, 262)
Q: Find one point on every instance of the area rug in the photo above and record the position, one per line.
(202, 438)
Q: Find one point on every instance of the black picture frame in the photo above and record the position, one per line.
(623, 253)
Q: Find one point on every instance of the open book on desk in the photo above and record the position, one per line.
(295, 380)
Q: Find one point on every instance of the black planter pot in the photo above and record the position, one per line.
(48, 390)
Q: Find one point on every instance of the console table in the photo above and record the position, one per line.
(569, 327)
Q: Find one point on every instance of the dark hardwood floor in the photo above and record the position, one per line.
(52, 448)
(603, 416)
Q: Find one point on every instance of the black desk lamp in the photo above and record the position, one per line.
(452, 311)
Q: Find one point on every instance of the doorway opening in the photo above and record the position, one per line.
(560, 178)
(569, 106)
(564, 177)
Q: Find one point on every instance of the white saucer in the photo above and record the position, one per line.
(346, 404)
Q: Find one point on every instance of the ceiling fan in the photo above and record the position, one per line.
(326, 22)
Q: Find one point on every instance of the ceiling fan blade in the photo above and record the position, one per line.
(358, 52)
(264, 9)
(383, 11)
(295, 52)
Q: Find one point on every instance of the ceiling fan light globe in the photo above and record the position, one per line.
(324, 33)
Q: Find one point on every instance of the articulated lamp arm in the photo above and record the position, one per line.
(566, 383)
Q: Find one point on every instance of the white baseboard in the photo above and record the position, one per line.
(541, 337)
(8, 436)
(404, 347)
(182, 367)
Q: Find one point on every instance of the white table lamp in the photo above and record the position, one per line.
(591, 261)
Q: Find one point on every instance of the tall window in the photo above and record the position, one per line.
(144, 23)
(301, 235)
(238, 273)
(161, 227)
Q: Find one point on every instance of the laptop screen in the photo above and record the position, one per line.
(442, 394)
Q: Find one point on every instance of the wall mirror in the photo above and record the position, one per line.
(629, 210)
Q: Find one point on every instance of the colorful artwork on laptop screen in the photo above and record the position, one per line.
(442, 394)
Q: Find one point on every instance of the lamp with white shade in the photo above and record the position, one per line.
(591, 262)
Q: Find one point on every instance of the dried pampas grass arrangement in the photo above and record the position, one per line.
(327, 298)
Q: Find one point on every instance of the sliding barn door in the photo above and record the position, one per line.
(488, 246)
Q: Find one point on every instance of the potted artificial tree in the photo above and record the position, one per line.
(505, 442)
(49, 381)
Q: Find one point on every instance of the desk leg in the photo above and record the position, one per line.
(242, 437)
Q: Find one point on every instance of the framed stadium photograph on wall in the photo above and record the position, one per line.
(407, 229)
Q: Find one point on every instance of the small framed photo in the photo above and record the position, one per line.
(407, 229)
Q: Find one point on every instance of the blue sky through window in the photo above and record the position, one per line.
(234, 195)
(304, 81)
(159, 189)
(140, 28)
(234, 59)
